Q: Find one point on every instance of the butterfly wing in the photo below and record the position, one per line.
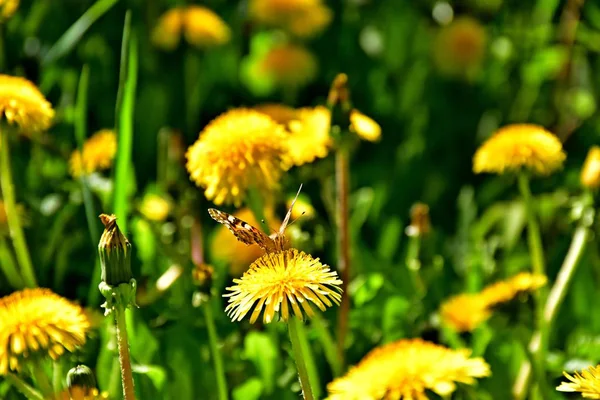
(289, 213)
(243, 231)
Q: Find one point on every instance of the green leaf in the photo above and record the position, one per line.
(260, 349)
(155, 373)
(250, 390)
(364, 289)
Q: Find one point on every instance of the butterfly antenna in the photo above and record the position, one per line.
(297, 218)
(289, 213)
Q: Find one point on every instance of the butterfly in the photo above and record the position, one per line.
(248, 234)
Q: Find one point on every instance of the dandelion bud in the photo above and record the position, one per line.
(590, 173)
(419, 220)
(115, 253)
(339, 94)
(81, 382)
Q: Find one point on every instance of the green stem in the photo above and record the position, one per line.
(10, 206)
(414, 265)
(23, 387)
(556, 296)
(214, 347)
(9, 265)
(313, 373)
(329, 346)
(342, 177)
(300, 357)
(124, 357)
(41, 379)
(534, 239)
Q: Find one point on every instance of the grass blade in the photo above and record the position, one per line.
(72, 36)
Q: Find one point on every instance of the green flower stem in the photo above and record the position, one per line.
(216, 353)
(124, 357)
(313, 373)
(342, 178)
(298, 350)
(10, 206)
(329, 346)
(42, 380)
(23, 387)
(534, 239)
(556, 296)
(9, 265)
(414, 265)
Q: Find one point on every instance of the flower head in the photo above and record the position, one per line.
(240, 149)
(519, 146)
(201, 28)
(22, 104)
(365, 127)
(238, 256)
(38, 322)
(587, 383)
(302, 18)
(460, 46)
(467, 311)
(309, 135)
(289, 65)
(8, 8)
(98, 154)
(115, 253)
(279, 280)
(405, 370)
(155, 207)
(590, 173)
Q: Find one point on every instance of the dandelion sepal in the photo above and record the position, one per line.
(122, 294)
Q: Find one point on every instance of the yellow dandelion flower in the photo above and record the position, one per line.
(22, 104)
(303, 18)
(203, 28)
(464, 312)
(38, 322)
(587, 383)
(167, 32)
(279, 112)
(8, 8)
(226, 248)
(519, 145)
(503, 291)
(279, 280)
(365, 127)
(405, 370)
(289, 65)
(155, 207)
(238, 150)
(309, 135)
(460, 47)
(98, 154)
(200, 26)
(590, 173)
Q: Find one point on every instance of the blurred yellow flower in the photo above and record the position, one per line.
(155, 207)
(303, 18)
(289, 65)
(464, 312)
(238, 150)
(201, 27)
(519, 145)
(590, 173)
(302, 208)
(467, 311)
(309, 135)
(405, 370)
(77, 394)
(98, 154)
(460, 46)
(366, 128)
(587, 383)
(167, 32)
(281, 113)
(38, 321)
(22, 104)
(279, 280)
(8, 8)
(506, 290)
(225, 247)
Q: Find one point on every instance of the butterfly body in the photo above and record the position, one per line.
(248, 234)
